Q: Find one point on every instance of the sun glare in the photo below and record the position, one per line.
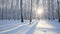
(44, 24)
(40, 11)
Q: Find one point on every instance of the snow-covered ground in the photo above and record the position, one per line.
(10, 27)
(36, 27)
(47, 27)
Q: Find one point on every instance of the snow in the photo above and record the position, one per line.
(47, 27)
(36, 27)
(13, 25)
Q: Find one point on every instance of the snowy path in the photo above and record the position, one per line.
(16, 28)
(37, 27)
(47, 27)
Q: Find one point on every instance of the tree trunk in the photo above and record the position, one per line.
(58, 11)
(21, 10)
(31, 12)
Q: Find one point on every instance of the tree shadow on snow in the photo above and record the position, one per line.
(31, 30)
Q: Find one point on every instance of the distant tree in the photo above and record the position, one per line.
(58, 11)
(6, 9)
(37, 7)
(48, 9)
(13, 10)
(25, 10)
(21, 10)
(2, 8)
(52, 3)
(31, 12)
(12, 7)
(17, 5)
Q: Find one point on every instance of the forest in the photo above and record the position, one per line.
(29, 9)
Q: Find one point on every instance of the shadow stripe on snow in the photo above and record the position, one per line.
(25, 28)
(12, 28)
